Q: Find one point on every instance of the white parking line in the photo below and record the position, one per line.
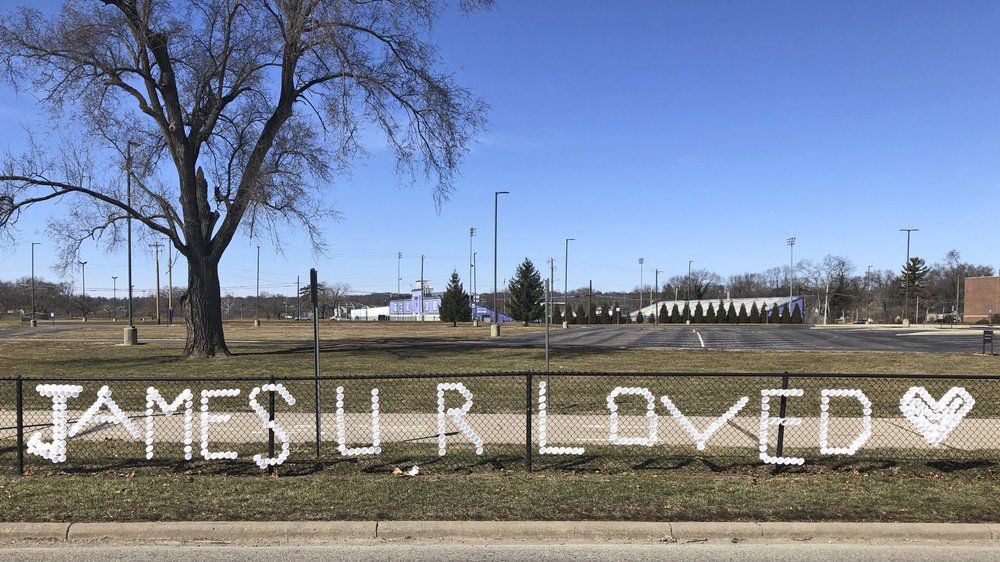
(699, 337)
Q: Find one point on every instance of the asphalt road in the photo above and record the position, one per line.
(961, 340)
(758, 337)
(575, 552)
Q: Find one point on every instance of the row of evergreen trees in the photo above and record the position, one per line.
(709, 315)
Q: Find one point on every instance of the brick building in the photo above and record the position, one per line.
(982, 298)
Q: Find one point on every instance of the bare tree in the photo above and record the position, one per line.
(246, 107)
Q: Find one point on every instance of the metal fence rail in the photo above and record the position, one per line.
(536, 420)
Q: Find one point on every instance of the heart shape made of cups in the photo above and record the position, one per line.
(935, 419)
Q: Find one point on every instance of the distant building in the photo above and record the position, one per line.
(982, 299)
(425, 305)
(772, 304)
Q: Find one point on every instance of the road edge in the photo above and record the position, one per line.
(623, 531)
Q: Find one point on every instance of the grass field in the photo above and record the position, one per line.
(683, 488)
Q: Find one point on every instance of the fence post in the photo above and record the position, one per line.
(781, 413)
(19, 399)
(270, 431)
(528, 378)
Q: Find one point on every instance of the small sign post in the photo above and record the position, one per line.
(988, 339)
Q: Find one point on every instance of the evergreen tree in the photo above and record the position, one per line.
(675, 315)
(731, 314)
(664, 315)
(595, 318)
(606, 316)
(686, 315)
(699, 314)
(796, 315)
(455, 302)
(616, 314)
(557, 317)
(638, 317)
(765, 314)
(742, 317)
(581, 315)
(786, 314)
(720, 313)
(710, 314)
(526, 292)
(754, 314)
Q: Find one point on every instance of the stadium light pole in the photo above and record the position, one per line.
(399, 258)
(496, 221)
(566, 283)
(906, 282)
(33, 322)
(791, 270)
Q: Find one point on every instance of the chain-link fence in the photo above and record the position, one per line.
(507, 420)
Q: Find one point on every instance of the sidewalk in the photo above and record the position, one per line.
(271, 532)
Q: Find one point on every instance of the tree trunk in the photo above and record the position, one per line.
(205, 338)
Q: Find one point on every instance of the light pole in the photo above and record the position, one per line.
(472, 234)
(494, 327)
(256, 321)
(475, 274)
(868, 280)
(791, 270)
(33, 322)
(687, 290)
(131, 335)
(656, 284)
(83, 296)
(114, 297)
(906, 281)
(566, 284)
(641, 261)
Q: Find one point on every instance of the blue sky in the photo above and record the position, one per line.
(672, 131)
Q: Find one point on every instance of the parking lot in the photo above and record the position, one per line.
(960, 340)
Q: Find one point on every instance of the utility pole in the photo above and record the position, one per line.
(170, 283)
(156, 248)
(83, 273)
(656, 283)
(33, 322)
(566, 284)
(494, 327)
(906, 282)
(641, 261)
(256, 321)
(114, 297)
(472, 234)
(298, 300)
(791, 271)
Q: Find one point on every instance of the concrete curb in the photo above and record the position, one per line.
(232, 531)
